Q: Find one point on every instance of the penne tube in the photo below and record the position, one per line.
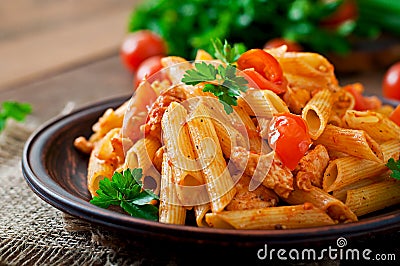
(373, 197)
(378, 126)
(262, 103)
(200, 212)
(141, 154)
(351, 141)
(336, 209)
(250, 130)
(102, 161)
(226, 126)
(179, 147)
(317, 112)
(169, 211)
(344, 171)
(341, 193)
(283, 217)
(219, 183)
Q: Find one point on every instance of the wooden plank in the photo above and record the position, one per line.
(27, 56)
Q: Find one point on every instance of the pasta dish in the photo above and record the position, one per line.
(273, 142)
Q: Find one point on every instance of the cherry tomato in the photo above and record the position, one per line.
(395, 115)
(263, 63)
(362, 103)
(391, 82)
(140, 45)
(289, 137)
(276, 42)
(258, 81)
(346, 11)
(147, 68)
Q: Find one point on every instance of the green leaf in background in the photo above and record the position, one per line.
(189, 25)
(14, 110)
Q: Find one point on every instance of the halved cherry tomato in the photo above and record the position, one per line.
(395, 115)
(147, 68)
(362, 103)
(263, 63)
(276, 42)
(289, 137)
(140, 45)
(255, 79)
(391, 82)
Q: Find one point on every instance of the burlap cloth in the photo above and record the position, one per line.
(33, 232)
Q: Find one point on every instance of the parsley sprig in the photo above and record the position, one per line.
(126, 190)
(395, 167)
(225, 52)
(223, 82)
(14, 110)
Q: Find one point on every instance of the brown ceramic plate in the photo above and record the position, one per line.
(56, 172)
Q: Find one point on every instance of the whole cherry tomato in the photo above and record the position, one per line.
(263, 63)
(289, 137)
(395, 115)
(276, 42)
(140, 45)
(147, 68)
(391, 82)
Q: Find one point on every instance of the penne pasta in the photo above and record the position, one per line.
(317, 112)
(283, 217)
(178, 146)
(367, 199)
(351, 141)
(218, 180)
(141, 154)
(336, 209)
(378, 126)
(344, 171)
(170, 211)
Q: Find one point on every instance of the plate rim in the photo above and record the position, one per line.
(125, 223)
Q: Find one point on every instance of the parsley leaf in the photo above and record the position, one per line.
(224, 82)
(395, 167)
(126, 190)
(226, 53)
(15, 110)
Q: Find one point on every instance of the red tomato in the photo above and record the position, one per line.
(276, 42)
(362, 103)
(140, 45)
(257, 80)
(263, 63)
(289, 137)
(346, 11)
(147, 68)
(395, 115)
(391, 82)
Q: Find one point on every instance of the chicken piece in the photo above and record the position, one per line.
(244, 199)
(153, 121)
(311, 168)
(273, 174)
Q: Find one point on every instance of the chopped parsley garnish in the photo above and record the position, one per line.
(14, 110)
(223, 82)
(126, 190)
(395, 167)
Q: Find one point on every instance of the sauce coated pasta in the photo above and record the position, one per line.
(297, 155)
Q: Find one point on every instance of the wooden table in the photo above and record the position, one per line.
(69, 57)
